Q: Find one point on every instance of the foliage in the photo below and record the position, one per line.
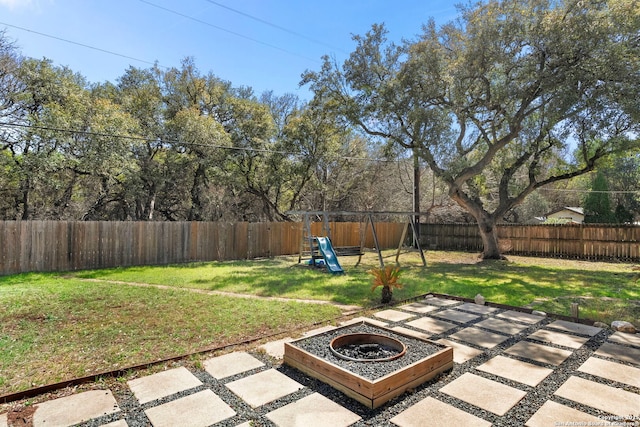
(388, 278)
(597, 206)
(493, 100)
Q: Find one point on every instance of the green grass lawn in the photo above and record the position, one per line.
(61, 326)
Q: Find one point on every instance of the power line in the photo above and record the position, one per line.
(178, 142)
(82, 44)
(200, 21)
(286, 30)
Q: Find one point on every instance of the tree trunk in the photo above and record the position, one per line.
(387, 294)
(489, 235)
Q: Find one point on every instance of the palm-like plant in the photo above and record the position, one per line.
(386, 277)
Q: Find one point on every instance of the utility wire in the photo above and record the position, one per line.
(286, 30)
(178, 142)
(82, 44)
(200, 21)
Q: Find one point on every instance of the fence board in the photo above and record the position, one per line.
(67, 245)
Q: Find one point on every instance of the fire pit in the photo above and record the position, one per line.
(367, 347)
(379, 363)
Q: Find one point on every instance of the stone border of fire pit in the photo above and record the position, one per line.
(371, 384)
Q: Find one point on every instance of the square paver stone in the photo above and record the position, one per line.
(461, 353)
(624, 338)
(500, 325)
(363, 319)
(486, 394)
(162, 384)
(576, 328)
(519, 316)
(119, 423)
(609, 399)
(418, 307)
(456, 316)
(619, 352)
(612, 371)
(555, 414)
(411, 332)
(314, 410)
(435, 413)
(275, 349)
(393, 315)
(516, 370)
(75, 409)
(231, 364)
(440, 302)
(538, 352)
(320, 330)
(196, 410)
(264, 387)
(476, 308)
(431, 325)
(479, 337)
(559, 338)
(4, 422)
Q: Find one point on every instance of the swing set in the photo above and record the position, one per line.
(309, 245)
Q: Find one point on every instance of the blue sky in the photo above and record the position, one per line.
(244, 45)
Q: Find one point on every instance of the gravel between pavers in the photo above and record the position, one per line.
(134, 415)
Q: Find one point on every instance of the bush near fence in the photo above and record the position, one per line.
(27, 246)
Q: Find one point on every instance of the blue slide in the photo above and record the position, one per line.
(329, 255)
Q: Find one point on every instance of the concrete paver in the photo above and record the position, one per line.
(411, 332)
(320, 330)
(559, 338)
(476, 308)
(612, 371)
(365, 319)
(231, 364)
(457, 316)
(163, 384)
(119, 423)
(418, 307)
(479, 337)
(495, 397)
(75, 409)
(626, 339)
(431, 325)
(538, 352)
(555, 414)
(620, 352)
(609, 399)
(196, 410)
(440, 302)
(515, 370)
(436, 414)
(500, 325)
(393, 315)
(461, 353)
(263, 387)
(275, 349)
(519, 316)
(3, 420)
(576, 328)
(313, 410)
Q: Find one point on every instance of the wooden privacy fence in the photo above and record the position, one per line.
(581, 241)
(75, 245)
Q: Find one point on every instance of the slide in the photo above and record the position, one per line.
(329, 255)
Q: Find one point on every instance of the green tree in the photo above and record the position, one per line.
(507, 87)
(597, 204)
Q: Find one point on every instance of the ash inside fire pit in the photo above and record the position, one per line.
(367, 347)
